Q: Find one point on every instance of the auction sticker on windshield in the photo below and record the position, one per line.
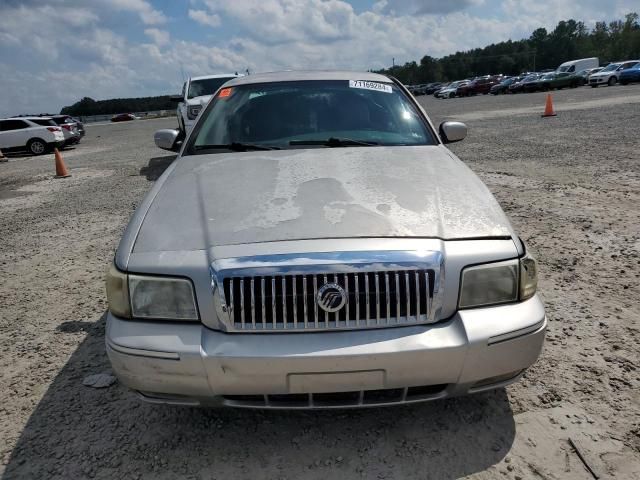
(379, 87)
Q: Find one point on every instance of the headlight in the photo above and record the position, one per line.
(500, 282)
(193, 111)
(118, 293)
(528, 277)
(141, 296)
(489, 284)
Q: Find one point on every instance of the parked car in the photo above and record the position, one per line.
(196, 93)
(479, 86)
(503, 86)
(610, 74)
(528, 82)
(574, 66)
(583, 75)
(262, 270)
(433, 88)
(550, 81)
(630, 75)
(70, 122)
(71, 135)
(123, 117)
(28, 133)
(451, 90)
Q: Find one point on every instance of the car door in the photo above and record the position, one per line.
(562, 80)
(15, 133)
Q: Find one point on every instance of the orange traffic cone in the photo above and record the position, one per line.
(548, 109)
(61, 169)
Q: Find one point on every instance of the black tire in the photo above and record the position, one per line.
(37, 146)
(612, 81)
(624, 82)
(595, 85)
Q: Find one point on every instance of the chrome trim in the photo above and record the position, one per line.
(323, 266)
(262, 300)
(304, 296)
(284, 301)
(387, 297)
(517, 333)
(143, 353)
(407, 292)
(241, 301)
(273, 302)
(367, 302)
(253, 303)
(397, 297)
(346, 303)
(295, 302)
(315, 304)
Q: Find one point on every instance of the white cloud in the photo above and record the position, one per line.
(425, 7)
(143, 8)
(204, 18)
(159, 37)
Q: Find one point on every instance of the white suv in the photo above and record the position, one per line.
(37, 135)
(196, 93)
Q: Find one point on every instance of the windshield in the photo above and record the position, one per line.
(530, 78)
(291, 114)
(611, 67)
(207, 86)
(548, 76)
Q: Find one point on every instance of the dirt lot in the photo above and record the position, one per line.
(571, 185)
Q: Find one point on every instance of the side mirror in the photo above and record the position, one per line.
(166, 139)
(452, 131)
(175, 98)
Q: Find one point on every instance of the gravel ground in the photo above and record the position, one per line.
(571, 185)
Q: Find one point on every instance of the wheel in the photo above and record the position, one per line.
(37, 146)
(595, 85)
(624, 82)
(612, 81)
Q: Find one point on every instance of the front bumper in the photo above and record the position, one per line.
(475, 350)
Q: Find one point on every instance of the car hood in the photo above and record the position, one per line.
(239, 198)
(601, 74)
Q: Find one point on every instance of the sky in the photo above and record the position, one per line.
(54, 52)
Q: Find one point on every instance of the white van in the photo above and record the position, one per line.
(574, 66)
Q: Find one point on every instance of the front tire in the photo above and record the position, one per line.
(612, 81)
(37, 146)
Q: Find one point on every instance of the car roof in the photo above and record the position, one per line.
(292, 76)
(221, 75)
(29, 118)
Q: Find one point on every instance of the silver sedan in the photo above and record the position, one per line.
(316, 245)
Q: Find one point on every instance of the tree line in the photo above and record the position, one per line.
(89, 106)
(569, 40)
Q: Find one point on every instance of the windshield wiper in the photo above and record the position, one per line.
(334, 142)
(235, 146)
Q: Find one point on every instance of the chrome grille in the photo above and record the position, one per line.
(288, 302)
